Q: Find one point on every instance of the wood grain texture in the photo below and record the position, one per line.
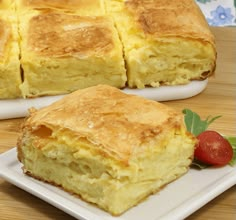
(219, 98)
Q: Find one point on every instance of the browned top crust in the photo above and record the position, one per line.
(56, 34)
(160, 18)
(61, 4)
(117, 123)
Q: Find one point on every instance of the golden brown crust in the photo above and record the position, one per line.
(114, 121)
(61, 4)
(181, 18)
(56, 34)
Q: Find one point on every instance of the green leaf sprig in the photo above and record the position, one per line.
(194, 124)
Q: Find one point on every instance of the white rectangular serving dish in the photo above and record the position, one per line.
(176, 201)
(15, 108)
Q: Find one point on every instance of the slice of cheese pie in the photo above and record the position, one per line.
(165, 42)
(61, 53)
(110, 148)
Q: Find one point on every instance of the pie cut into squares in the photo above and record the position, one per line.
(68, 45)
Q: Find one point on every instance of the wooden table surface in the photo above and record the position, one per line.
(219, 98)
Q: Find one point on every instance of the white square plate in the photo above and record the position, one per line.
(176, 201)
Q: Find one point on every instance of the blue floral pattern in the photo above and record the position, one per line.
(221, 16)
(219, 12)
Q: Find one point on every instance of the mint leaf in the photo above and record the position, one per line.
(232, 141)
(194, 124)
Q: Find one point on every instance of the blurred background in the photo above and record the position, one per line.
(219, 12)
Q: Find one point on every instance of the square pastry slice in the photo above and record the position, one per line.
(61, 53)
(80, 7)
(10, 76)
(164, 43)
(110, 148)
